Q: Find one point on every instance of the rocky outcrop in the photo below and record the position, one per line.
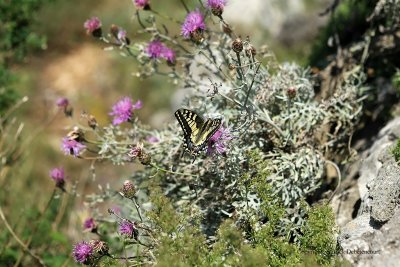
(372, 238)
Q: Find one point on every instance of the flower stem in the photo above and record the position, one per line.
(165, 16)
(137, 209)
(172, 172)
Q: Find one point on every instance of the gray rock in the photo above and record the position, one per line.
(373, 237)
(385, 190)
(364, 245)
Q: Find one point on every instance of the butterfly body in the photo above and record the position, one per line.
(197, 131)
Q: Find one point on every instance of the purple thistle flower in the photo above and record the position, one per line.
(218, 142)
(92, 24)
(144, 4)
(137, 105)
(83, 252)
(57, 174)
(121, 35)
(62, 102)
(123, 109)
(136, 151)
(72, 147)
(127, 229)
(89, 225)
(155, 49)
(216, 4)
(168, 54)
(193, 22)
(152, 139)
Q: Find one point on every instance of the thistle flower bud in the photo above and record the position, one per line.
(216, 6)
(114, 29)
(142, 4)
(237, 45)
(197, 36)
(291, 92)
(145, 159)
(90, 225)
(93, 26)
(92, 122)
(251, 51)
(128, 189)
(76, 134)
(136, 151)
(57, 174)
(62, 102)
(99, 247)
(217, 11)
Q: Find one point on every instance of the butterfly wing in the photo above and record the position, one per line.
(207, 130)
(196, 131)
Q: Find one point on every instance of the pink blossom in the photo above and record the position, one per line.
(194, 21)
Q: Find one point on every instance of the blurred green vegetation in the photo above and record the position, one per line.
(348, 22)
(16, 40)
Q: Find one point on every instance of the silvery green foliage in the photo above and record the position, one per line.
(270, 107)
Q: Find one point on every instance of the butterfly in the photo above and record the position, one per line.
(196, 131)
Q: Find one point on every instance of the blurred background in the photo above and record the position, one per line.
(48, 54)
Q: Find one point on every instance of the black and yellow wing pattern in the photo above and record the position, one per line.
(196, 130)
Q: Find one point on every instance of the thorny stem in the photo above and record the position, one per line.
(251, 85)
(240, 70)
(25, 248)
(339, 178)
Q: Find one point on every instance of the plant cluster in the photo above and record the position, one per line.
(250, 198)
(245, 198)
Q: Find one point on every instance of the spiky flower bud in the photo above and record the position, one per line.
(237, 45)
(251, 51)
(92, 122)
(216, 6)
(136, 151)
(99, 247)
(145, 159)
(76, 134)
(93, 26)
(197, 36)
(291, 91)
(114, 29)
(128, 189)
(217, 11)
